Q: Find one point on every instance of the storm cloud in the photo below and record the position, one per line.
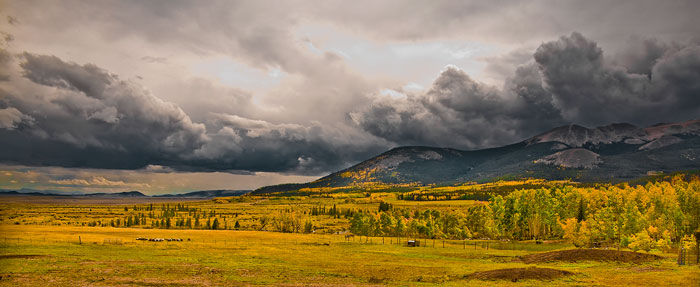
(59, 113)
(568, 81)
(307, 88)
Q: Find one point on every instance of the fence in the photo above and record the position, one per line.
(234, 241)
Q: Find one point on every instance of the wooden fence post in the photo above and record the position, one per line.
(697, 247)
(681, 256)
(80, 241)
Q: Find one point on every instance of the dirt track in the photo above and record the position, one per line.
(515, 274)
(574, 255)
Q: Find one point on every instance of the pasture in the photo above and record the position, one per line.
(51, 243)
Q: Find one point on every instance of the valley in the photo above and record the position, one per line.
(470, 234)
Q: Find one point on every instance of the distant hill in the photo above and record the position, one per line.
(207, 193)
(29, 191)
(117, 194)
(128, 194)
(614, 152)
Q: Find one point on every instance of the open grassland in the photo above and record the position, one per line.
(526, 236)
(247, 211)
(111, 257)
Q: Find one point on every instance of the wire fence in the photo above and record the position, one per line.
(685, 256)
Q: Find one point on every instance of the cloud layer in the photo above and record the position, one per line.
(323, 115)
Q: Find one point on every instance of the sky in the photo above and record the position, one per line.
(175, 96)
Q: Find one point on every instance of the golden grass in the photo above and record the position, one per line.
(111, 257)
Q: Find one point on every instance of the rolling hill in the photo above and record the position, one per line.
(615, 152)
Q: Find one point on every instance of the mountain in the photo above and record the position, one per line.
(614, 152)
(207, 193)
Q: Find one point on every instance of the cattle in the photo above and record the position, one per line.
(141, 238)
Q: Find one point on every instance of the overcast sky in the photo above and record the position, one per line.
(172, 96)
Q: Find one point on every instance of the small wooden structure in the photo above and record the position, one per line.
(413, 243)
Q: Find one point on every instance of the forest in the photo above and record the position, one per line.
(650, 216)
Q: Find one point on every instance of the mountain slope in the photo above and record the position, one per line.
(617, 151)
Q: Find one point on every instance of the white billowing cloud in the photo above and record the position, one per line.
(97, 181)
(10, 118)
(148, 181)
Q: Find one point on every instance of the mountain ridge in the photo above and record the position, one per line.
(620, 151)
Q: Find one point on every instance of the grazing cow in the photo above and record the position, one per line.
(141, 238)
(348, 236)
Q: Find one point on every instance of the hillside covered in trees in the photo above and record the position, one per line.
(645, 216)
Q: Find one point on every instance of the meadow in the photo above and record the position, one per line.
(283, 239)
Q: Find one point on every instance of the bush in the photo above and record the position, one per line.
(642, 241)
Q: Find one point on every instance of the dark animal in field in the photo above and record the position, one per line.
(141, 238)
(348, 236)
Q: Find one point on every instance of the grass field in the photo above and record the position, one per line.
(46, 244)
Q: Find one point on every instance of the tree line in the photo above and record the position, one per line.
(644, 217)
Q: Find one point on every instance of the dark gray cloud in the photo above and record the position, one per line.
(57, 113)
(569, 81)
(83, 116)
(460, 112)
(589, 89)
